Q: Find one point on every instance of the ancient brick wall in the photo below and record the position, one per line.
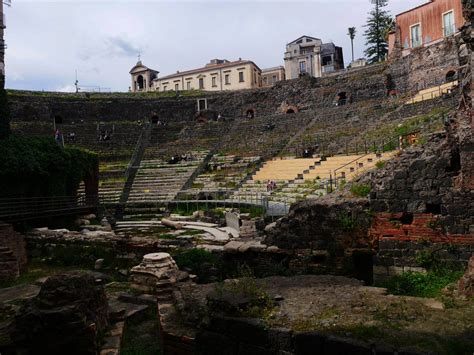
(425, 66)
(404, 238)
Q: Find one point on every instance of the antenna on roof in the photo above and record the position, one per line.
(7, 2)
(139, 56)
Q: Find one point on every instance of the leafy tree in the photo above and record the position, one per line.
(351, 32)
(379, 24)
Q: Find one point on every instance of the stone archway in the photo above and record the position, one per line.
(287, 108)
(155, 119)
(342, 98)
(451, 76)
(250, 113)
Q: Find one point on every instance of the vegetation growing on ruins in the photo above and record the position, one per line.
(439, 274)
(242, 298)
(360, 190)
(141, 336)
(199, 261)
(39, 167)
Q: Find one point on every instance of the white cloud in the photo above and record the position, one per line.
(49, 40)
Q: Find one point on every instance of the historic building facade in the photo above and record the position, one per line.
(142, 78)
(217, 75)
(424, 25)
(309, 56)
(271, 76)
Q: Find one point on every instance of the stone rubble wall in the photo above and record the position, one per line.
(239, 336)
(425, 66)
(366, 83)
(13, 243)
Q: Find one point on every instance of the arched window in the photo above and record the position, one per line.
(155, 119)
(140, 83)
(450, 76)
(290, 110)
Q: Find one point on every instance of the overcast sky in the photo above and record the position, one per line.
(48, 40)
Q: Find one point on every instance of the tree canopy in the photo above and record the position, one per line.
(379, 24)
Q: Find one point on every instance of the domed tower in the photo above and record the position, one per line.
(142, 77)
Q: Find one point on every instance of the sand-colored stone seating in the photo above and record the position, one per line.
(284, 169)
(433, 92)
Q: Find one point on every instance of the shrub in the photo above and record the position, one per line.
(199, 261)
(421, 285)
(360, 190)
(380, 164)
(242, 297)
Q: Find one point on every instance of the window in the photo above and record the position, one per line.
(274, 79)
(302, 67)
(265, 80)
(415, 32)
(214, 82)
(188, 85)
(448, 23)
(176, 87)
(201, 83)
(164, 88)
(202, 104)
(227, 79)
(241, 77)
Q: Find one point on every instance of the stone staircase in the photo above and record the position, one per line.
(158, 181)
(299, 179)
(223, 173)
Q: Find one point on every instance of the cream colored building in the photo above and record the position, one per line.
(271, 76)
(218, 75)
(142, 78)
(310, 56)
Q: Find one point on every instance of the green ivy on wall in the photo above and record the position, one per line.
(39, 167)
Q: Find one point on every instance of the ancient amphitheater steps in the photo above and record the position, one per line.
(223, 173)
(157, 180)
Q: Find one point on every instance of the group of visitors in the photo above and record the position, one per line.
(271, 186)
(183, 157)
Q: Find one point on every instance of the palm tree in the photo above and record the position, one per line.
(352, 33)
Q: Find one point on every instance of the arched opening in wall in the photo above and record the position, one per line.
(407, 218)
(289, 111)
(58, 119)
(450, 76)
(155, 119)
(140, 82)
(341, 99)
(250, 113)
